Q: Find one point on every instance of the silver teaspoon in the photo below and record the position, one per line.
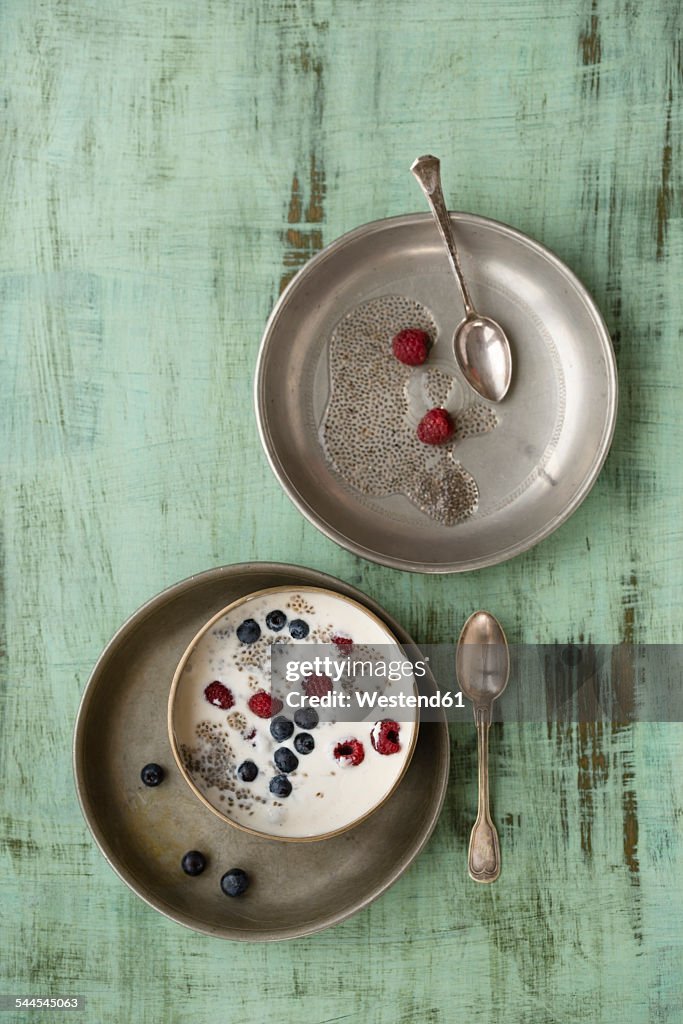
(482, 664)
(480, 344)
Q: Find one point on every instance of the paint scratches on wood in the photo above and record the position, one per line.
(590, 48)
(630, 810)
(309, 63)
(665, 190)
(592, 774)
(302, 240)
(303, 236)
(629, 602)
(623, 674)
(624, 682)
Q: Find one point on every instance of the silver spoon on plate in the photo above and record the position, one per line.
(482, 665)
(480, 344)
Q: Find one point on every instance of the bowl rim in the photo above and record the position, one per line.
(173, 692)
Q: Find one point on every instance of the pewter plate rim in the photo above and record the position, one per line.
(301, 576)
(328, 528)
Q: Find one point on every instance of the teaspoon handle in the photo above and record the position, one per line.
(484, 853)
(427, 171)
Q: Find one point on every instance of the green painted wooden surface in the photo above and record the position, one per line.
(165, 166)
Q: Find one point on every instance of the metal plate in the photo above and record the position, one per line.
(297, 888)
(555, 426)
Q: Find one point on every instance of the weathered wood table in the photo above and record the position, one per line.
(166, 167)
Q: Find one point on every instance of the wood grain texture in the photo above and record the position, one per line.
(166, 168)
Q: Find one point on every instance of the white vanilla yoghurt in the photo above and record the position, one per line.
(344, 727)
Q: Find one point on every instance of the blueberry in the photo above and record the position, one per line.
(247, 771)
(276, 620)
(248, 631)
(152, 774)
(280, 786)
(299, 629)
(235, 882)
(304, 743)
(193, 863)
(306, 718)
(285, 760)
(281, 728)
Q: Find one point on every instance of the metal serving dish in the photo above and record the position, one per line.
(297, 888)
(554, 427)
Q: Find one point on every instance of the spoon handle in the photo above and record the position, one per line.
(484, 854)
(427, 170)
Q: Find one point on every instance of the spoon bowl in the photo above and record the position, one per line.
(483, 355)
(482, 660)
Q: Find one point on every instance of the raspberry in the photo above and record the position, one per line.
(435, 427)
(264, 705)
(384, 736)
(349, 753)
(411, 346)
(344, 644)
(316, 686)
(219, 695)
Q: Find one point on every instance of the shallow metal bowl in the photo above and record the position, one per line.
(555, 426)
(297, 888)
